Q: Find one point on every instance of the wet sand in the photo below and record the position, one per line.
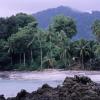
(52, 74)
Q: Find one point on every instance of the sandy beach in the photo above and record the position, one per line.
(51, 74)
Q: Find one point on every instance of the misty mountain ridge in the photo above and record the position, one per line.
(83, 20)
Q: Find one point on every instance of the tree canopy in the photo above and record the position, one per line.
(96, 29)
(25, 46)
(65, 24)
(11, 25)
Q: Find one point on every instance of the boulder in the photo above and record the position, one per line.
(76, 88)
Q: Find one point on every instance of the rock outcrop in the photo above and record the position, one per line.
(77, 88)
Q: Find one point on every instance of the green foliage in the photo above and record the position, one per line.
(96, 29)
(97, 50)
(65, 24)
(31, 48)
(12, 24)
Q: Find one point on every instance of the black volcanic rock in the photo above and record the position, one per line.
(83, 20)
(77, 88)
(2, 97)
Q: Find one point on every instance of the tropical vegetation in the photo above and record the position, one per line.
(25, 46)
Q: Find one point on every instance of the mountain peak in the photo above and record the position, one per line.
(63, 7)
(83, 20)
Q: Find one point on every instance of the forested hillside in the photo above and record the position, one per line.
(83, 20)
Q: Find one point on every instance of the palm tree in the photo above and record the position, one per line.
(82, 49)
(39, 38)
(97, 50)
(10, 48)
(31, 47)
(50, 40)
(66, 48)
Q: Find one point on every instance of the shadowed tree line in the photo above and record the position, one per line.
(25, 46)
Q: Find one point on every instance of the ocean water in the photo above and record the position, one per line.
(31, 81)
(11, 87)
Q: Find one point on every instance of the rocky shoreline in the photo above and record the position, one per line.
(73, 88)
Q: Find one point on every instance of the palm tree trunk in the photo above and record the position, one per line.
(51, 53)
(31, 56)
(41, 55)
(82, 61)
(65, 58)
(20, 58)
(69, 64)
(41, 58)
(11, 60)
(24, 59)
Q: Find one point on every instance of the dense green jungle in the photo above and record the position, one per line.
(26, 46)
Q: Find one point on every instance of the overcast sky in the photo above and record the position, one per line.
(9, 7)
